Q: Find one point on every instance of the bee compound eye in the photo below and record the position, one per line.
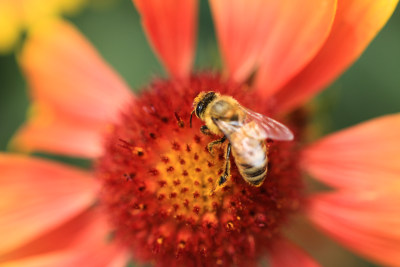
(199, 109)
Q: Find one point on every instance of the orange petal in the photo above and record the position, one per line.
(284, 253)
(297, 35)
(242, 30)
(366, 222)
(365, 156)
(280, 35)
(68, 77)
(49, 130)
(38, 195)
(45, 260)
(355, 25)
(171, 28)
(82, 241)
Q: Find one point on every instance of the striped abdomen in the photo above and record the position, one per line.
(250, 157)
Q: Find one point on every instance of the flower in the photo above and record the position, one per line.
(16, 16)
(152, 196)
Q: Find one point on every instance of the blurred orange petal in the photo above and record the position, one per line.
(297, 36)
(366, 222)
(51, 131)
(82, 90)
(242, 30)
(355, 25)
(171, 29)
(38, 195)
(45, 260)
(365, 156)
(287, 33)
(82, 241)
(285, 253)
(83, 85)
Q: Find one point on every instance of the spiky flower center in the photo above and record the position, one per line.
(157, 178)
(186, 175)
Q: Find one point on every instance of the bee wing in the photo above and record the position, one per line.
(243, 137)
(228, 127)
(267, 127)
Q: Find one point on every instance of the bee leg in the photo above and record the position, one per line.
(215, 142)
(227, 172)
(204, 129)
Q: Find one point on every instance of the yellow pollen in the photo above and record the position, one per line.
(181, 245)
(187, 174)
(230, 226)
(138, 151)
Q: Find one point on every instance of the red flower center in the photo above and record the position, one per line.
(157, 177)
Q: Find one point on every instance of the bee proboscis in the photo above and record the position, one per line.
(245, 131)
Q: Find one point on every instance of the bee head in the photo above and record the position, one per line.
(201, 102)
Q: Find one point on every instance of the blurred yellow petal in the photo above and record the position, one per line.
(9, 27)
(16, 16)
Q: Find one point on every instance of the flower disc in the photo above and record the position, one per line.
(158, 175)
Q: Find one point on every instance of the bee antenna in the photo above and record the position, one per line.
(191, 115)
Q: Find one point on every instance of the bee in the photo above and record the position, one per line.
(245, 131)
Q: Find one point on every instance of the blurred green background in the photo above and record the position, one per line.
(370, 88)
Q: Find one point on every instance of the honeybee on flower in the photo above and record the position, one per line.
(147, 195)
(246, 131)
